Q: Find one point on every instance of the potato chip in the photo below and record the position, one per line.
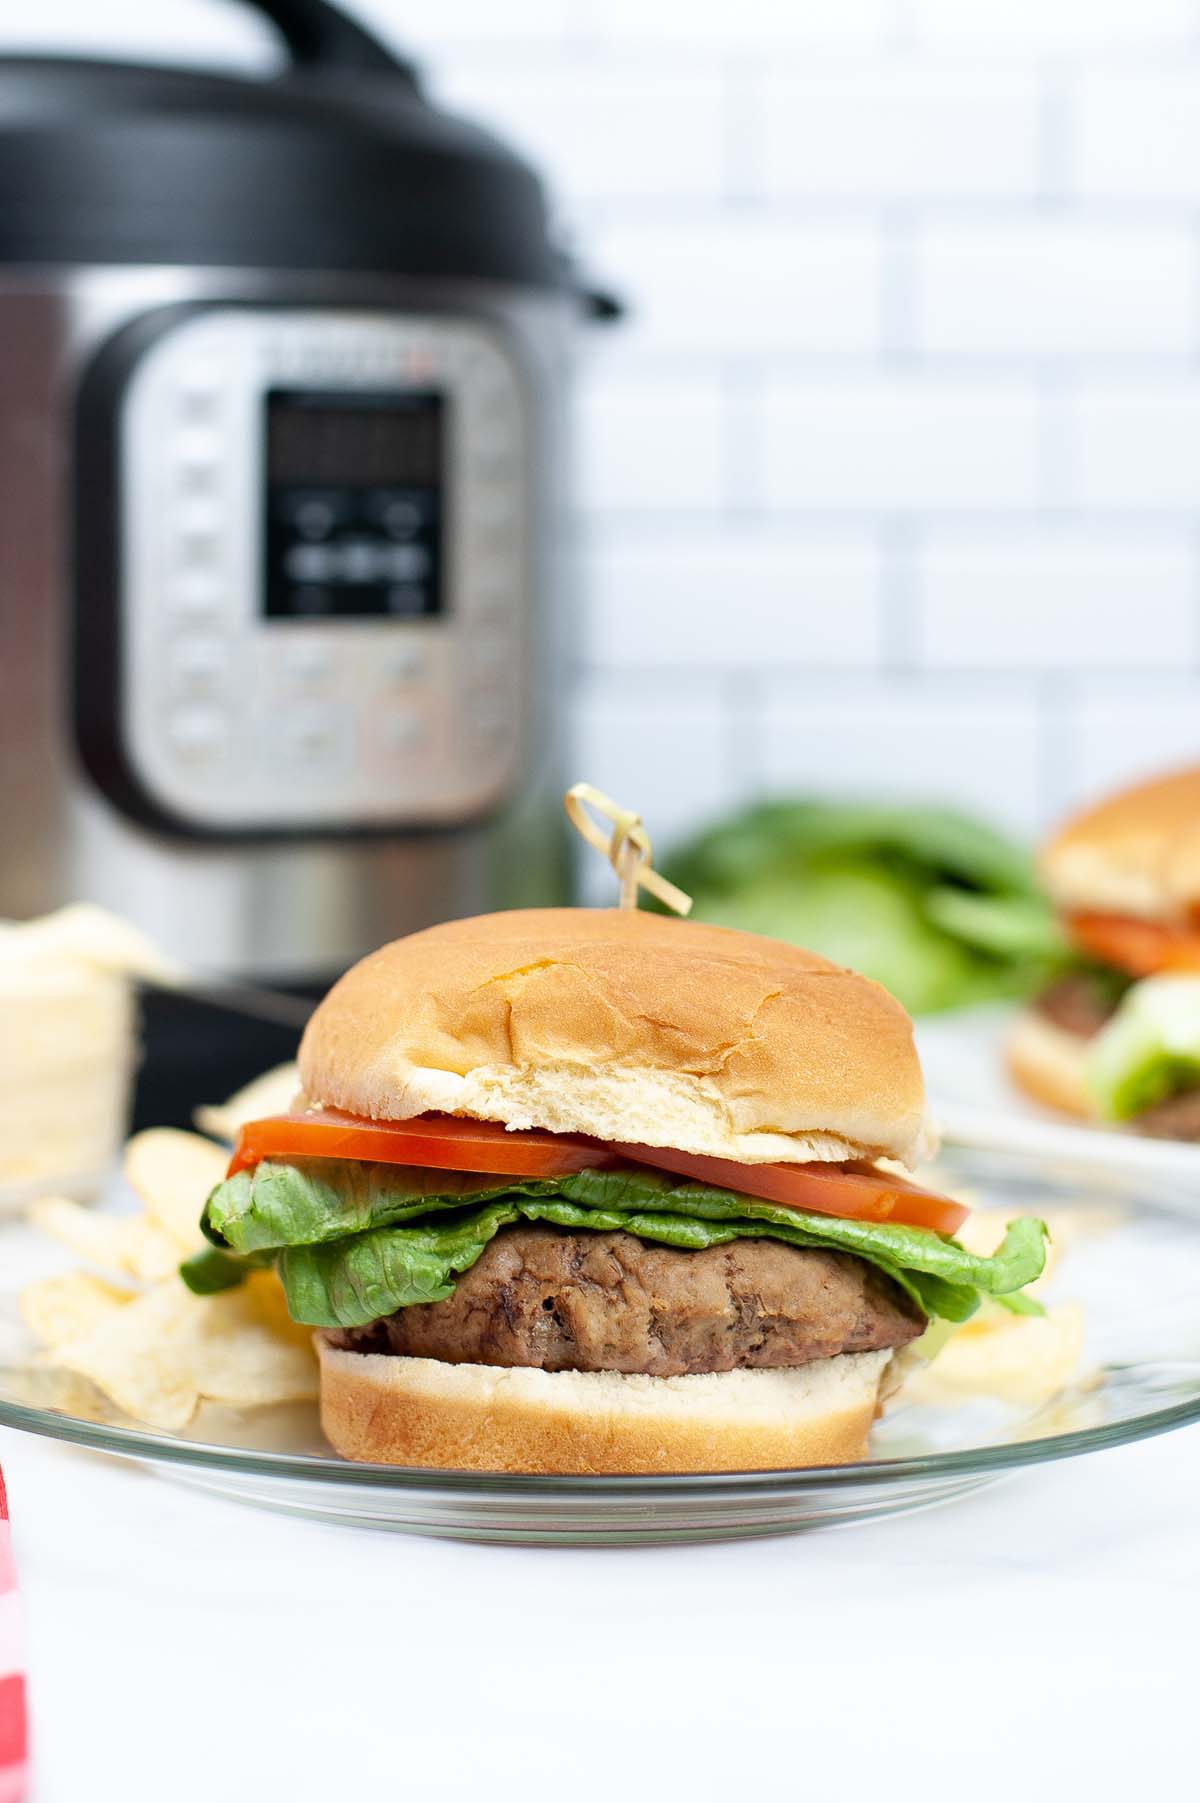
(272, 1093)
(44, 1386)
(165, 1352)
(131, 1244)
(172, 1172)
(1021, 1359)
(69, 1306)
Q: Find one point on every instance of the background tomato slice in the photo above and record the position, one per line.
(444, 1143)
(1141, 947)
(825, 1189)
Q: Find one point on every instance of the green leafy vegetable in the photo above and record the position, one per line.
(1149, 1050)
(357, 1241)
(936, 906)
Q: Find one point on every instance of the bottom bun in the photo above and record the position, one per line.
(1048, 1063)
(413, 1411)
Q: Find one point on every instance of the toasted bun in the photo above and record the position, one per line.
(412, 1411)
(627, 1026)
(1047, 1063)
(1136, 853)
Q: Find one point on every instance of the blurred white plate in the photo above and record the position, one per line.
(977, 1107)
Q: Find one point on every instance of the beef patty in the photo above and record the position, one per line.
(609, 1302)
(1178, 1117)
(1079, 1003)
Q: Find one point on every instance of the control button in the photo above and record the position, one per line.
(314, 512)
(199, 519)
(201, 387)
(361, 560)
(198, 446)
(368, 560)
(197, 405)
(401, 512)
(403, 563)
(198, 731)
(403, 731)
(309, 661)
(195, 479)
(405, 663)
(198, 659)
(314, 735)
(311, 563)
(356, 560)
(199, 547)
(195, 594)
(314, 519)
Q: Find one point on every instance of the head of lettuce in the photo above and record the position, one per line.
(936, 906)
(598, 1191)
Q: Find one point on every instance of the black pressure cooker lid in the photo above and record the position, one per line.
(338, 163)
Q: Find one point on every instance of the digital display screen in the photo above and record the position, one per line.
(354, 504)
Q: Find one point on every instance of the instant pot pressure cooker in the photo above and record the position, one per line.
(281, 372)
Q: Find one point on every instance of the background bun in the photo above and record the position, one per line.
(1047, 1063)
(411, 1411)
(627, 1026)
(1136, 853)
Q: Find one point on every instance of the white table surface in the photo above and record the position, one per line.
(1036, 1636)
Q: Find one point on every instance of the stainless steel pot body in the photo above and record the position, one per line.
(273, 886)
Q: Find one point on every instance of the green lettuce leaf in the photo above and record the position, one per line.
(314, 1199)
(934, 905)
(356, 1241)
(1149, 1050)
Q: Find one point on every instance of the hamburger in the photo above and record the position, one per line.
(599, 1191)
(1115, 1037)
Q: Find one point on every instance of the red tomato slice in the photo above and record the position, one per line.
(825, 1189)
(438, 1142)
(1141, 947)
(444, 1143)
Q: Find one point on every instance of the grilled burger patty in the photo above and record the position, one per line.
(1078, 1003)
(1178, 1117)
(610, 1302)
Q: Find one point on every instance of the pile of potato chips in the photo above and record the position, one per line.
(127, 1323)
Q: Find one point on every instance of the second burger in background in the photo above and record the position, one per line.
(1116, 1038)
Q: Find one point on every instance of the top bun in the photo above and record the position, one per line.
(1137, 853)
(626, 1026)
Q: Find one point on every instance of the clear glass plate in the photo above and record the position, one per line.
(1131, 1260)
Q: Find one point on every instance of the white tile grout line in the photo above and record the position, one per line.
(899, 321)
(743, 727)
(1056, 743)
(900, 649)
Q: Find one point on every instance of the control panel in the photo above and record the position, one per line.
(325, 573)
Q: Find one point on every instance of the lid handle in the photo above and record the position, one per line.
(318, 33)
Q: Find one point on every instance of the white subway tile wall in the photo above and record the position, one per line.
(891, 480)
(901, 738)
(924, 440)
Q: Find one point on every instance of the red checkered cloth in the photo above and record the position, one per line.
(14, 1743)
